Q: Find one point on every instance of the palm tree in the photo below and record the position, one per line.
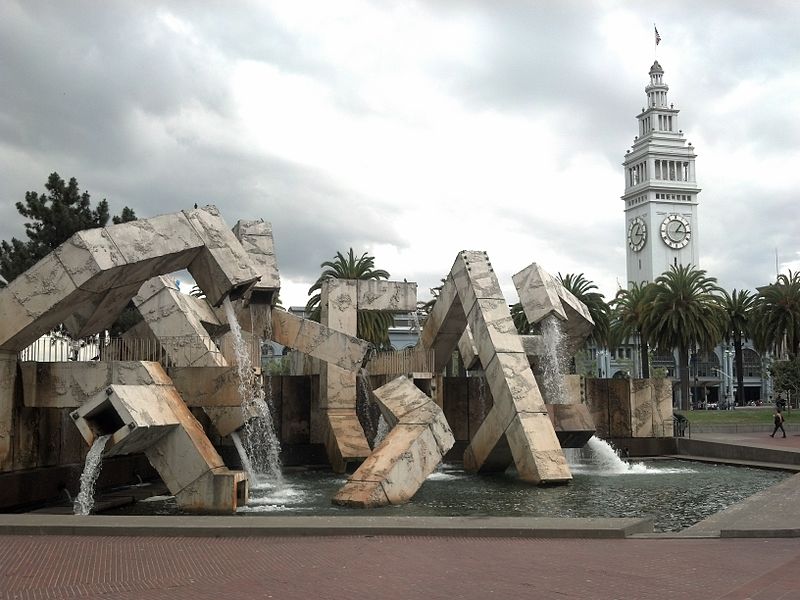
(685, 314)
(371, 326)
(777, 316)
(581, 288)
(738, 307)
(521, 322)
(629, 317)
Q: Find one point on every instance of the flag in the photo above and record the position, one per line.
(658, 37)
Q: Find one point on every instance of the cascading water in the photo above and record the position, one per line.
(261, 445)
(601, 458)
(85, 501)
(553, 361)
(248, 468)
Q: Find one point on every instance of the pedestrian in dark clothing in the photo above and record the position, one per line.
(778, 423)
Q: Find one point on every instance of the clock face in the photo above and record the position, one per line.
(675, 231)
(637, 234)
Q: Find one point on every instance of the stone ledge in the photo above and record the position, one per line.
(243, 526)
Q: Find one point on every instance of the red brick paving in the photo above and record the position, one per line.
(383, 568)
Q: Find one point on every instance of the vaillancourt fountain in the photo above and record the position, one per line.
(185, 384)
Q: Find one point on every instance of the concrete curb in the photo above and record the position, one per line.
(244, 526)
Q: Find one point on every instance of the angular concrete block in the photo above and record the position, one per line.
(475, 278)
(216, 491)
(541, 295)
(536, 450)
(339, 305)
(46, 294)
(445, 325)
(319, 341)
(208, 387)
(256, 239)
(344, 439)
(222, 268)
(513, 386)
(493, 329)
(338, 388)
(92, 260)
(361, 494)
(414, 447)
(468, 350)
(573, 424)
(388, 296)
(488, 451)
(136, 417)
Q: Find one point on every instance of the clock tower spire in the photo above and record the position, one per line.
(660, 189)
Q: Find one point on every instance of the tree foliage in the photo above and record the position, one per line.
(629, 317)
(776, 322)
(685, 314)
(786, 377)
(737, 309)
(584, 290)
(53, 217)
(373, 326)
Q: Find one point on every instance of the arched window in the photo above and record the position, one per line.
(751, 363)
(707, 362)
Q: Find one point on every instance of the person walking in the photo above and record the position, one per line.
(778, 418)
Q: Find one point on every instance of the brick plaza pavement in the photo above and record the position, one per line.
(384, 568)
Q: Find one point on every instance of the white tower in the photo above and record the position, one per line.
(660, 190)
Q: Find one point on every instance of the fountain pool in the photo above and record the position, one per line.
(675, 493)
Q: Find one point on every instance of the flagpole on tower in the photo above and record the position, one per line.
(657, 40)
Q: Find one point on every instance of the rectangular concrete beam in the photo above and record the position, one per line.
(319, 341)
(445, 325)
(388, 296)
(256, 239)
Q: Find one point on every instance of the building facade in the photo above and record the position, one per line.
(661, 231)
(661, 192)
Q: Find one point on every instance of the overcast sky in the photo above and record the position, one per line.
(410, 130)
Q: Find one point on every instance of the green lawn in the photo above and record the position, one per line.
(726, 417)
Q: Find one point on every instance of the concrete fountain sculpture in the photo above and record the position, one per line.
(143, 407)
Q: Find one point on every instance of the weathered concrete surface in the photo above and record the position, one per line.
(178, 322)
(517, 426)
(70, 384)
(318, 340)
(445, 325)
(256, 239)
(573, 424)
(541, 295)
(154, 419)
(651, 407)
(88, 280)
(340, 301)
(468, 351)
(8, 381)
(414, 447)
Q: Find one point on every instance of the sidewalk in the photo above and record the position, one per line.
(427, 560)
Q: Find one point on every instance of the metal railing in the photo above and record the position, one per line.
(410, 360)
(170, 351)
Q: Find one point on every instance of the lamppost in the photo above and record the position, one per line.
(729, 403)
(727, 365)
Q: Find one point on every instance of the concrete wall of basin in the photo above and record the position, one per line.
(43, 440)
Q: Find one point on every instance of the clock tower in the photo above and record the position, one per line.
(660, 190)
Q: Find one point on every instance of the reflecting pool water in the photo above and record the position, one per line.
(676, 494)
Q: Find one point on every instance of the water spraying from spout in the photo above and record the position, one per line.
(85, 501)
(261, 444)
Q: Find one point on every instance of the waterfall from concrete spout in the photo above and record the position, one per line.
(248, 468)
(601, 458)
(553, 361)
(260, 441)
(85, 501)
(381, 432)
